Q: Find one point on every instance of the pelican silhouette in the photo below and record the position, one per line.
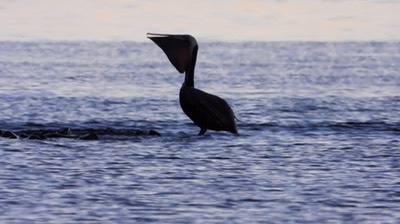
(206, 110)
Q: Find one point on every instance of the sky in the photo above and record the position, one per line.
(208, 20)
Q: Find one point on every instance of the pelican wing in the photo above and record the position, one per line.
(216, 111)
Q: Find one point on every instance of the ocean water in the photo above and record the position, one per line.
(319, 128)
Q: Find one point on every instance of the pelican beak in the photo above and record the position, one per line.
(160, 35)
(151, 35)
(176, 47)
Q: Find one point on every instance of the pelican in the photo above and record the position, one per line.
(206, 110)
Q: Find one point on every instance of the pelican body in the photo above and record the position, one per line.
(206, 110)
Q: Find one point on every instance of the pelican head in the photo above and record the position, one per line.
(181, 50)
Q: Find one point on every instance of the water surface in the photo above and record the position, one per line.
(319, 128)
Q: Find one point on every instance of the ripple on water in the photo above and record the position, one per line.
(318, 143)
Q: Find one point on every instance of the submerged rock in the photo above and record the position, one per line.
(53, 135)
(36, 136)
(9, 134)
(82, 134)
(152, 132)
(23, 135)
(90, 136)
(64, 131)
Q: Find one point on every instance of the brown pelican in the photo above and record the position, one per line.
(206, 110)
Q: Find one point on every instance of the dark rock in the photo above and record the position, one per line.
(110, 130)
(137, 132)
(90, 136)
(36, 136)
(23, 135)
(65, 131)
(155, 133)
(84, 134)
(53, 135)
(9, 134)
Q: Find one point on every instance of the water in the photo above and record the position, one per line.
(319, 134)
